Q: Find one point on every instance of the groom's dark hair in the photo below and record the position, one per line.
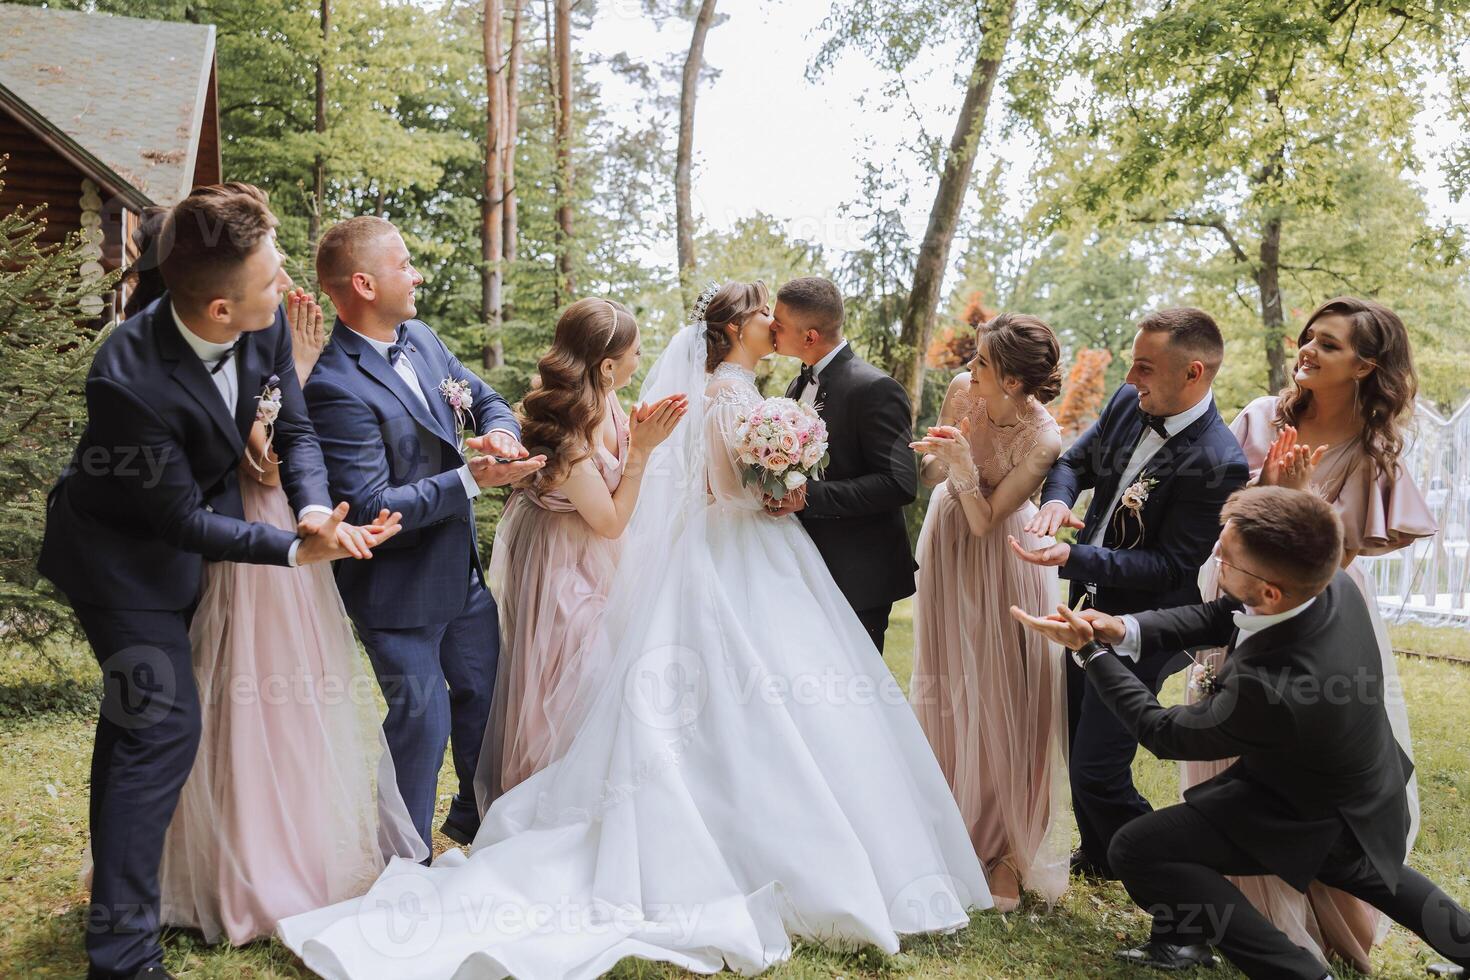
(207, 237)
(817, 297)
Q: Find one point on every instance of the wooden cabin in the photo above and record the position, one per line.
(102, 117)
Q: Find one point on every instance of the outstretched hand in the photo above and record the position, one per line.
(947, 443)
(649, 425)
(324, 537)
(1073, 630)
(505, 461)
(1047, 556)
(1053, 516)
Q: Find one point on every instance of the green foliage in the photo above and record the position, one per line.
(45, 350)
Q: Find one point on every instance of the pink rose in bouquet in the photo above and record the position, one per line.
(782, 444)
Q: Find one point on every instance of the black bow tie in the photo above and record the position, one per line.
(1155, 422)
(807, 376)
(399, 347)
(225, 359)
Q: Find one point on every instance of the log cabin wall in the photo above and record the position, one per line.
(36, 175)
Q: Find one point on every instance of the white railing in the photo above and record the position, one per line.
(1429, 581)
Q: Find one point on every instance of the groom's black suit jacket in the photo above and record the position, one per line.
(1302, 705)
(854, 513)
(152, 489)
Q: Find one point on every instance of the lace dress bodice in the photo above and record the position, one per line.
(999, 449)
(730, 394)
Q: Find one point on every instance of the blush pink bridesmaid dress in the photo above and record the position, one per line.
(990, 694)
(291, 802)
(550, 574)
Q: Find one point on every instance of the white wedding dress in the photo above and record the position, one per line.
(745, 770)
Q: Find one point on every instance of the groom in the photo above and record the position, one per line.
(854, 513)
(380, 400)
(1160, 463)
(151, 493)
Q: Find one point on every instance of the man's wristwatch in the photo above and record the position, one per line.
(1088, 652)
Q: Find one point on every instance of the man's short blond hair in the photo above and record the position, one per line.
(342, 250)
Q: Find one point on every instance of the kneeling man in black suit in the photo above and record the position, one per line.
(1317, 792)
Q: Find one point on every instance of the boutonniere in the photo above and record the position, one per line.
(1203, 679)
(457, 394)
(267, 410)
(1132, 502)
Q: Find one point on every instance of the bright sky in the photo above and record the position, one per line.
(767, 140)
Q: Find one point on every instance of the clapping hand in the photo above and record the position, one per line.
(308, 336)
(649, 425)
(1288, 464)
(324, 537)
(947, 443)
(1053, 516)
(1073, 630)
(505, 461)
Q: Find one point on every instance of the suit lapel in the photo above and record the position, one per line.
(430, 387)
(191, 375)
(375, 366)
(1160, 465)
(254, 370)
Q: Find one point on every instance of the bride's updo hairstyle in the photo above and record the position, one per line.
(731, 305)
(561, 412)
(1023, 347)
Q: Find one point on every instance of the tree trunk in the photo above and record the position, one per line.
(564, 175)
(683, 208)
(319, 165)
(918, 316)
(1268, 282)
(1268, 275)
(492, 227)
(512, 134)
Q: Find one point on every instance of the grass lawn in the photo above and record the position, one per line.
(47, 710)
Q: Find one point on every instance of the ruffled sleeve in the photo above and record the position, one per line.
(1255, 430)
(1382, 512)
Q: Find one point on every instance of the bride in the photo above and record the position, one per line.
(744, 771)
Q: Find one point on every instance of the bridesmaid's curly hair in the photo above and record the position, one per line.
(567, 400)
(1023, 347)
(731, 305)
(1386, 396)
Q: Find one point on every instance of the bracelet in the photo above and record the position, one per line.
(966, 482)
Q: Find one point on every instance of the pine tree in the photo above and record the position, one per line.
(46, 347)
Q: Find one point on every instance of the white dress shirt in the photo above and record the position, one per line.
(1246, 622)
(808, 394)
(1150, 443)
(404, 369)
(227, 381)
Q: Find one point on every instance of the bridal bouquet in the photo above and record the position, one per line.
(782, 444)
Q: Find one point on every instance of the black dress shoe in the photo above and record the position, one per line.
(1167, 956)
(153, 973)
(458, 832)
(1085, 867)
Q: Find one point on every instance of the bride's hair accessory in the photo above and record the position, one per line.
(701, 305)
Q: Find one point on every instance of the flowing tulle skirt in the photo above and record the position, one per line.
(1323, 920)
(990, 694)
(550, 574)
(281, 812)
(748, 771)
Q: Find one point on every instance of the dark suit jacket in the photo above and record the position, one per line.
(1196, 471)
(854, 513)
(384, 450)
(153, 489)
(1302, 705)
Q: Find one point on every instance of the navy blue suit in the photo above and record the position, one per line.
(420, 606)
(150, 494)
(1195, 471)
